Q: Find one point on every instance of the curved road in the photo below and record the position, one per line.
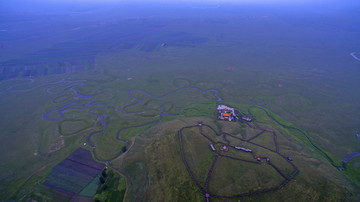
(345, 160)
(219, 154)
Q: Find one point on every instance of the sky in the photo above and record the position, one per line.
(198, 1)
(34, 6)
(19, 2)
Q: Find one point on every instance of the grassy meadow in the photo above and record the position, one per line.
(300, 74)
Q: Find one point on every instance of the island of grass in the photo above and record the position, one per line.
(229, 149)
(222, 160)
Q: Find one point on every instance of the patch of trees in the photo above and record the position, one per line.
(103, 176)
(109, 189)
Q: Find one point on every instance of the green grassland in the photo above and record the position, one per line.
(155, 153)
(292, 89)
(152, 169)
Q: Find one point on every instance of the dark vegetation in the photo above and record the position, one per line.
(112, 187)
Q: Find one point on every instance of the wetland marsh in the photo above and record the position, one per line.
(122, 80)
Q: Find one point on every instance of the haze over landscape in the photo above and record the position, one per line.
(184, 100)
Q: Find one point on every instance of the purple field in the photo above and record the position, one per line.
(74, 173)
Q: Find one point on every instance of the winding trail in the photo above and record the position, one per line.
(219, 154)
(345, 160)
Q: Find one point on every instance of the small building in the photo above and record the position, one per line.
(224, 148)
(226, 113)
(212, 147)
(243, 149)
(246, 118)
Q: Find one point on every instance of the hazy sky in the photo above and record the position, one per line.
(203, 1)
(182, 1)
(33, 6)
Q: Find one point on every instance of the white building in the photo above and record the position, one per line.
(226, 113)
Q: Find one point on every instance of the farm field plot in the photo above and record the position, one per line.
(74, 173)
